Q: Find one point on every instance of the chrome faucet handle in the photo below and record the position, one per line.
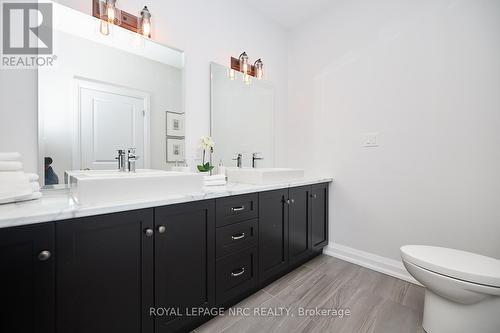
(131, 159)
(238, 159)
(121, 159)
(255, 158)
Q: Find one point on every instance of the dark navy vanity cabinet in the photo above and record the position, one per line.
(155, 270)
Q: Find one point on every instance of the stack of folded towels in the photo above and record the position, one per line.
(15, 185)
(216, 180)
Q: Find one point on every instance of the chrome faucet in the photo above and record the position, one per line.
(121, 160)
(255, 158)
(238, 160)
(131, 159)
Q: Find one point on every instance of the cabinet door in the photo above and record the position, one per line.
(184, 262)
(299, 224)
(27, 279)
(105, 273)
(237, 275)
(319, 216)
(273, 234)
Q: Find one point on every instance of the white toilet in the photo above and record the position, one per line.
(462, 289)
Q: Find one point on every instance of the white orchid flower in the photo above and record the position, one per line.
(207, 143)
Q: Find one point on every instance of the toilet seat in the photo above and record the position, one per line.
(465, 266)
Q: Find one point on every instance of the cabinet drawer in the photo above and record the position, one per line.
(236, 275)
(236, 209)
(235, 237)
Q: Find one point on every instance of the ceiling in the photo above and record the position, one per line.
(289, 13)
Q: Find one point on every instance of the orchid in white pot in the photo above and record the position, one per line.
(208, 145)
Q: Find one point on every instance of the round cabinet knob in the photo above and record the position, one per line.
(44, 255)
(162, 229)
(314, 196)
(149, 232)
(292, 200)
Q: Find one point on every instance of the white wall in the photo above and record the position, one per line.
(206, 30)
(426, 75)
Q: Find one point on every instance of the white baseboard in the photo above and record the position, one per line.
(369, 260)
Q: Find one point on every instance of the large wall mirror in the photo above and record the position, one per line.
(242, 118)
(106, 93)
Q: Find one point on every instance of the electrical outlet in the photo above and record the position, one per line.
(371, 139)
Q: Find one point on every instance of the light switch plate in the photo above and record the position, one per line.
(371, 139)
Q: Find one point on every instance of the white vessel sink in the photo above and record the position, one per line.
(95, 187)
(264, 176)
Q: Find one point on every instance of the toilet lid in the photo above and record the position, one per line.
(457, 264)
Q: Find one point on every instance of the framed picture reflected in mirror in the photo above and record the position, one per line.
(175, 124)
(175, 150)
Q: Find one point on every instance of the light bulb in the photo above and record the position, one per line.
(111, 12)
(244, 62)
(259, 69)
(146, 22)
(104, 28)
(231, 74)
(247, 79)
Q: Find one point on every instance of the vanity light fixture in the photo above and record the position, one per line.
(242, 64)
(109, 15)
(145, 22)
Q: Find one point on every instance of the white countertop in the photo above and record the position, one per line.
(57, 204)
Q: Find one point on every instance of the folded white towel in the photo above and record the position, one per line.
(15, 191)
(7, 177)
(214, 178)
(15, 183)
(19, 198)
(32, 177)
(35, 186)
(215, 183)
(10, 156)
(10, 166)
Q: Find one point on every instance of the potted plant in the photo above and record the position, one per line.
(207, 145)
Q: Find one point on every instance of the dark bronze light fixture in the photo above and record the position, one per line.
(242, 64)
(109, 15)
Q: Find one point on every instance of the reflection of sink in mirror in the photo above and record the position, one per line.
(264, 176)
(104, 186)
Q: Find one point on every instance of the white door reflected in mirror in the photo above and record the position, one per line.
(101, 111)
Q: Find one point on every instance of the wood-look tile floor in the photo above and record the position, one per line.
(378, 303)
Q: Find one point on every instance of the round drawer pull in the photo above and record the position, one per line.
(149, 232)
(44, 255)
